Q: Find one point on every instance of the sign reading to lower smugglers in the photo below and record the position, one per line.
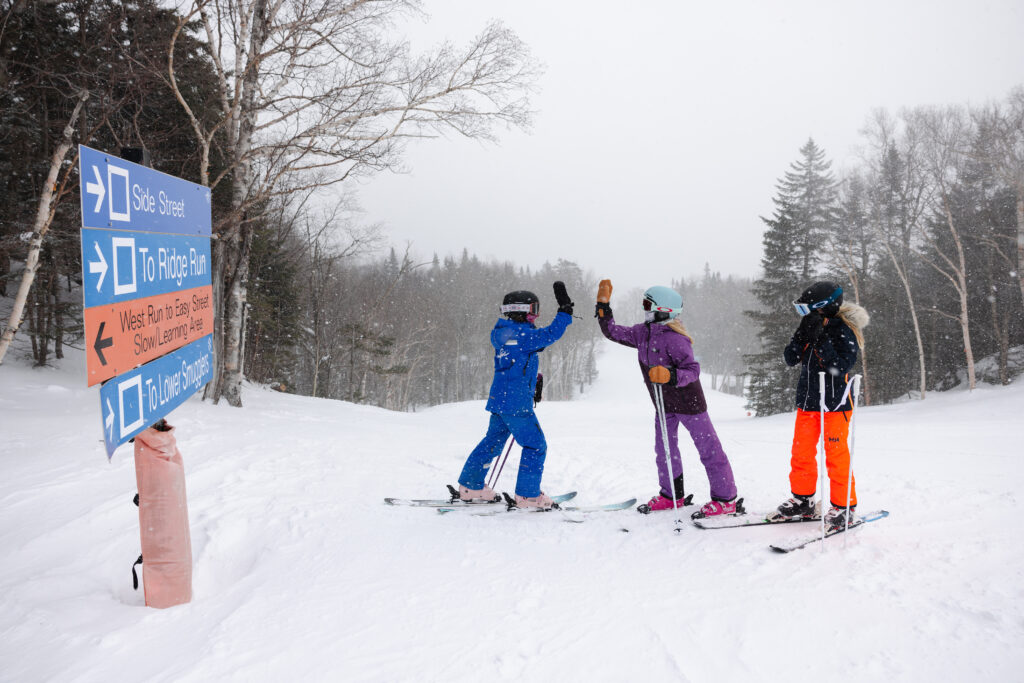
(135, 400)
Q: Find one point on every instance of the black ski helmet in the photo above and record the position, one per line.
(520, 303)
(823, 296)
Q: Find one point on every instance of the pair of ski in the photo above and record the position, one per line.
(507, 504)
(732, 521)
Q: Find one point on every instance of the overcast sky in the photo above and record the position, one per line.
(662, 127)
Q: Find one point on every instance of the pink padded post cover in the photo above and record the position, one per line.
(163, 519)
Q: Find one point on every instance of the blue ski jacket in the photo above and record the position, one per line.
(516, 362)
(835, 353)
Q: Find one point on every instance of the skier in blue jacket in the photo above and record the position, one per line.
(517, 344)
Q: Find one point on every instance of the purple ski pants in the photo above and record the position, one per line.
(715, 462)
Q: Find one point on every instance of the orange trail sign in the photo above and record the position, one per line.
(124, 335)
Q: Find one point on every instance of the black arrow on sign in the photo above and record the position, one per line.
(102, 343)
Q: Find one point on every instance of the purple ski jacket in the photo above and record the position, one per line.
(656, 344)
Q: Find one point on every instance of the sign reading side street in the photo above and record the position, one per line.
(120, 195)
(127, 334)
(120, 266)
(135, 400)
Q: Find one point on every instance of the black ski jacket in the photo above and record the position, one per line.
(835, 353)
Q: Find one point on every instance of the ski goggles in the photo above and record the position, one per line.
(649, 306)
(529, 309)
(803, 309)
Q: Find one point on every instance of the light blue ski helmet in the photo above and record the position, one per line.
(662, 303)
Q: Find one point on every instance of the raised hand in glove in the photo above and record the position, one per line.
(659, 374)
(604, 296)
(811, 327)
(562, 297)
(539, 390)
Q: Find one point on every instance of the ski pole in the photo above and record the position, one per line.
(659, 407)
(822, 468)
(494, 481)
(849, 469)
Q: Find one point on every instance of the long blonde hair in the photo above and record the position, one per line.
(677, 326)
(856, 318)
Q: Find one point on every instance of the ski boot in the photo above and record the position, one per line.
(797, 507)
(542, 501)
(720, 507)
(835, 518)
(484, 495)
(661, 502)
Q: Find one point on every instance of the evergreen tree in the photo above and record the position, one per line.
(795, 242)
(809, 192)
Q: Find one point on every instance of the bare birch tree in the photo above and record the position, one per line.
(313, 92)
(901, 198)
(1002, 133)
(56, 181)
(945, 134)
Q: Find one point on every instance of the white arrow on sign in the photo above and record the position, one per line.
(100, 267)
(97, 189)
(109, 421)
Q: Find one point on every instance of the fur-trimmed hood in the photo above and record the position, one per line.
(855, 315)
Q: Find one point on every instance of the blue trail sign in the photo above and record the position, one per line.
(133, 401)
(120, 265)
(119, 195)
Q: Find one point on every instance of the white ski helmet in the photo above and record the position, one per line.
(662, 304)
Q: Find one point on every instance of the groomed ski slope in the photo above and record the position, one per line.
(301, 573)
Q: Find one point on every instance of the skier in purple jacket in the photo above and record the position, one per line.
(665, 352)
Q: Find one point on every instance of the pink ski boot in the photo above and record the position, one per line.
(660, 502)
(542, 501)
(719, 507)
(484, 495)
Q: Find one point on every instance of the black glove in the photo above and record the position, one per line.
(562, 297)
(602, 310)
(811, 327)
(539, 390)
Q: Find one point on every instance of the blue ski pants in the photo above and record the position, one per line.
(528, 434)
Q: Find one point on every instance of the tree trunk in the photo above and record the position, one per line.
(960, 269)
(44, 218)
(913, 317)
(1020, 241)
(213, 388)
(234, 315)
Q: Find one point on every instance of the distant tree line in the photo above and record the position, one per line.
(333, 316)
(723, 337)
(926, 232)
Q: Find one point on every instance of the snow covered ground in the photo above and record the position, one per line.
(301, 573)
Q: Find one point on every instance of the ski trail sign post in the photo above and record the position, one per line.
(148, 295)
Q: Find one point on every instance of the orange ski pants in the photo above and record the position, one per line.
(803, 474)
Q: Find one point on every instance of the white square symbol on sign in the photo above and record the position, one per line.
(116, 214)
(119, 243)
(122, 389)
